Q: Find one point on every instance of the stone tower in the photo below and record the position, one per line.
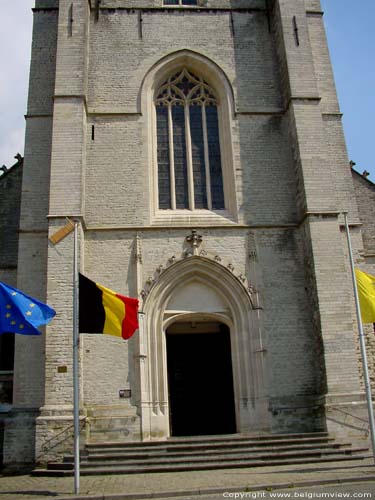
(199, 144)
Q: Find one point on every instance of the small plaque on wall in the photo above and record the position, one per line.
(125, 393)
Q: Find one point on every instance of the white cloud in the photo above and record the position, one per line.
(15, 48)
(13, 145)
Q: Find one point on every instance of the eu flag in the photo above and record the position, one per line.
(20, 313)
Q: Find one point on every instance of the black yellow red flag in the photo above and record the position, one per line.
(102, 310)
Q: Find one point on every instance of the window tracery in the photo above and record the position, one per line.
(188, 148)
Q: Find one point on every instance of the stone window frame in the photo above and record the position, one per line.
(217, 79)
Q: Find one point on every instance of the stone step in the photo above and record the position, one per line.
(146, 454)
(207, 452)
(203, 448)
(161, 460)
(201, 445)
(207, 440)
(196, 467)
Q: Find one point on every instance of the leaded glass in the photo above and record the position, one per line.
(217, 192)
(197, 147)
(180, 164)
(189, 162)
(164, 181)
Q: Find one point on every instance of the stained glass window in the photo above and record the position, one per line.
(163, 158)
(180, 164)
(188, 148)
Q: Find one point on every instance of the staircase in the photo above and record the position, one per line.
(204, 453)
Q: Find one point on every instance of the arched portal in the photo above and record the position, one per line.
(198, 290)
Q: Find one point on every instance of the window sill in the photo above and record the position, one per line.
(191, 218)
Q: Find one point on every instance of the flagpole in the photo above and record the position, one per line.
(361, 341)
(75, 361)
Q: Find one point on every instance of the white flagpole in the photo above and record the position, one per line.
(75, 361)
(362, 342)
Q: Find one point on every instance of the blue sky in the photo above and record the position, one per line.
(351, 40)
(15, 48)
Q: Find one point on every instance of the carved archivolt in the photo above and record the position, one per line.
(198, 265)
(225, 264)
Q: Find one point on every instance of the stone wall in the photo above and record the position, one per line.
(10, 206)
(90, 155)
(365, 195)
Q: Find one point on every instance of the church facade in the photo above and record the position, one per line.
(199, 145)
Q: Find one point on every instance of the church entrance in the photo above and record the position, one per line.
(200, 380)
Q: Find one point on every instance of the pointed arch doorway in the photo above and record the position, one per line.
(200, 379)
(202, 290)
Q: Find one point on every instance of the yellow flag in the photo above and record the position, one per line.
(366, 294)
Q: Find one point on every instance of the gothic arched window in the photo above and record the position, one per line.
(188, 148)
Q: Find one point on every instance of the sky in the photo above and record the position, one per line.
(351, 41)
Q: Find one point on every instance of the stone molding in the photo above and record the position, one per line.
(240, 315)
(216, 78)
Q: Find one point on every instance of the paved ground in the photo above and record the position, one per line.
(352, 490)
(185, 484)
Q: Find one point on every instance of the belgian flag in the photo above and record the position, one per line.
(102, 310)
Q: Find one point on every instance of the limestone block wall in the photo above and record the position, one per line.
(347, 419)
(272, 149)
(364, 191)
(108, 368)
(43, 59)
(365, 196)
(267, 187)
(214, 4)
(46, 4)
(322, 63)
(10, 205)
(115, 357)
(120, 56)
(333, 132)
(93, 159)
(105, 369)
(294, 347)
(292, 350)
(116, 178)
(320, 161)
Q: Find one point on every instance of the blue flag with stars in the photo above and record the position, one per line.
(20, 313)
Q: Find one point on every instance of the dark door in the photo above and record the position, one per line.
(200, 383)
